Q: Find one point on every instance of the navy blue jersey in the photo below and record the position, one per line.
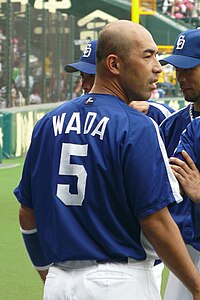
(173, 126)
(95, 166)
(190, 142)
(171, 130)
(159, 111)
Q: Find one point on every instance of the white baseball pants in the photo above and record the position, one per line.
(175, 290)
(89, 280)
(157, 270)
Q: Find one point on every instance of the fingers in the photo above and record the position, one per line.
(178, 172)
(188, 160)
(179, 164)
(187, 165)
(187, 175)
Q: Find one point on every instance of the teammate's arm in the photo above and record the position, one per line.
(163, 233)
(28, 224)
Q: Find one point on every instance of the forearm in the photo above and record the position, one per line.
(26, 218)
(165, 237)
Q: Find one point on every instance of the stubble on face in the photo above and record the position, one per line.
(192, 99)
(189, 84)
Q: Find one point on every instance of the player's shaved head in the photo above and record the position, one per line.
(126, 63)
(118, 38)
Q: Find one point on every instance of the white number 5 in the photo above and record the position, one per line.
(66, 168)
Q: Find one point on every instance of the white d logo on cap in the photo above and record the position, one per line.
(181, 42)
(87, 51)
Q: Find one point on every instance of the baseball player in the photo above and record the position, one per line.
(90, 208)
(186, 59)
(157, 111)
(86, 66)
(189, 177)
(189, 150)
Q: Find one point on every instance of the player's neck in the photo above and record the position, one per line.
(111, 89)
(194, 110)
(197, 105)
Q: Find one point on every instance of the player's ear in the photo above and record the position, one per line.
(113, 63)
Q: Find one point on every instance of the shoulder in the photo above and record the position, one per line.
(141, 125)
(181, 113)
(58, 111)
(133, 123)
(195, 123)
(158, 111)
(161, 106)
(193, 128)
(136, 116)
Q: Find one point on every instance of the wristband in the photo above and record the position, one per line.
(34, 249)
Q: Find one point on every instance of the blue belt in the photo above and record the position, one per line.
(121, 260)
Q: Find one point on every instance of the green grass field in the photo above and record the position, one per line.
(19, 280)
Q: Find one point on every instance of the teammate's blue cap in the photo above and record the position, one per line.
(186, 52)
(87, 61)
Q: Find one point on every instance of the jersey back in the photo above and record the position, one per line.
(94, 168)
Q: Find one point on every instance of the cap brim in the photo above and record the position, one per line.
(180, 61)
(81, 66)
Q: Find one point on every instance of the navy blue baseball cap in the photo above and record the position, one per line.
(186, 52)
(87, 61)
